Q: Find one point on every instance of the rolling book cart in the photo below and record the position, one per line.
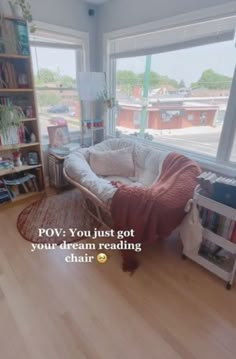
(224, 269)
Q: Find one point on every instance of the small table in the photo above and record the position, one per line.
(55, 169)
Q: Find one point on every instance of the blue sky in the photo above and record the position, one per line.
(187, 64)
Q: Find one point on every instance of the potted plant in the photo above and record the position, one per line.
(10, 118)
(22, 8)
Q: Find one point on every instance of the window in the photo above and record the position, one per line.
(55, 81)
(182, 79)
(58, 54)
(188, 93)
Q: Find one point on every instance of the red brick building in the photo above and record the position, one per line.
(167, 115)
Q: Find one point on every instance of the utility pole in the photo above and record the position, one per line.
(145, 95)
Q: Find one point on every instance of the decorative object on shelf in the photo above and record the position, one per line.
(29, 112)
(33, 138)
(11, 117)
(33, 158)
(22, 8)
(17, 158)
(23, 81)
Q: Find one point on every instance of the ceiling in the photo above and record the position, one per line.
(97, 2)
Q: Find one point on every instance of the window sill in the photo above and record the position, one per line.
(206, 162)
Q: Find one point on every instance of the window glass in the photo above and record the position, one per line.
(55, 82)
(186, 99)
(233, 153)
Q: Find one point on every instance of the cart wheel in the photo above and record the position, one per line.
(228, 286)
(184, 256)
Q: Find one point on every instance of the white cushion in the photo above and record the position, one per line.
(112, 163)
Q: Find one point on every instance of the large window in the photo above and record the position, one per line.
(175, 86)
(55, 72)
(186, 98)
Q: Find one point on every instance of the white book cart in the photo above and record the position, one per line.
(226, 270)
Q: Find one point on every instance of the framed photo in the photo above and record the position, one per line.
(33, 158)
(58, 136)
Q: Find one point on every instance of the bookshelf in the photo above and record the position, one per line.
(226, 269)
(17, 89)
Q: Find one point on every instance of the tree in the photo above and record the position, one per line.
(212, 80)
(66, 81)
(126, 80)
(45, 76)
(153, 79)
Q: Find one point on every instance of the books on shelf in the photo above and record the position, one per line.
(20, 184)
(8, 75)
(4, 193)
(14, 37)
(218, 188)
(220, 225)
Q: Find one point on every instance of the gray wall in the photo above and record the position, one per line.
(68, 13)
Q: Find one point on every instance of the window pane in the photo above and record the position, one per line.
(186, 100)
(233, 153)
(55, 81)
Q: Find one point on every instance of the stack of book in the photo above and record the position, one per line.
(8, 76)
(20, 184)
(14, 37)
(218, 224)
(5, 164)
(218, 188)
(4, 193)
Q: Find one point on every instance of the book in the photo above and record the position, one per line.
(22, 38)
(233, 235)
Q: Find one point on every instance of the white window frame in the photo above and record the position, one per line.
(221, 162)
(80, 44)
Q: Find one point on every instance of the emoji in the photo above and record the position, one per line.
(101, 258)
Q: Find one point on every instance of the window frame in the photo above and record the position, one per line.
(81, 47)
(221, 162)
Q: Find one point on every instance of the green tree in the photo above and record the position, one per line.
(45, 76)
(126, 80)
(212, 80)
(66, 81)
(153, 79)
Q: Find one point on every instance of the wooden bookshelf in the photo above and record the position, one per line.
(16, 58)
(6, 90)
(7, 171)
(29, 119)
(18, 146)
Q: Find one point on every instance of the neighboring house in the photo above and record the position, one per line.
(167, 115)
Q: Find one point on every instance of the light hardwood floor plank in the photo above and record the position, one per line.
(169, 309)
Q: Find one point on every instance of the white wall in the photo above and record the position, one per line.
(120, 14)
(68, 13)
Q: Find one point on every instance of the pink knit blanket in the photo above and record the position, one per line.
(156, 211)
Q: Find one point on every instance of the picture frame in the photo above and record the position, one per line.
(33, 158)
(58, 135)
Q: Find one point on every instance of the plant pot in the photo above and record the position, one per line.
(15, 9)
(5, 7)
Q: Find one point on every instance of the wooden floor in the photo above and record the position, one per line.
(169, 309)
